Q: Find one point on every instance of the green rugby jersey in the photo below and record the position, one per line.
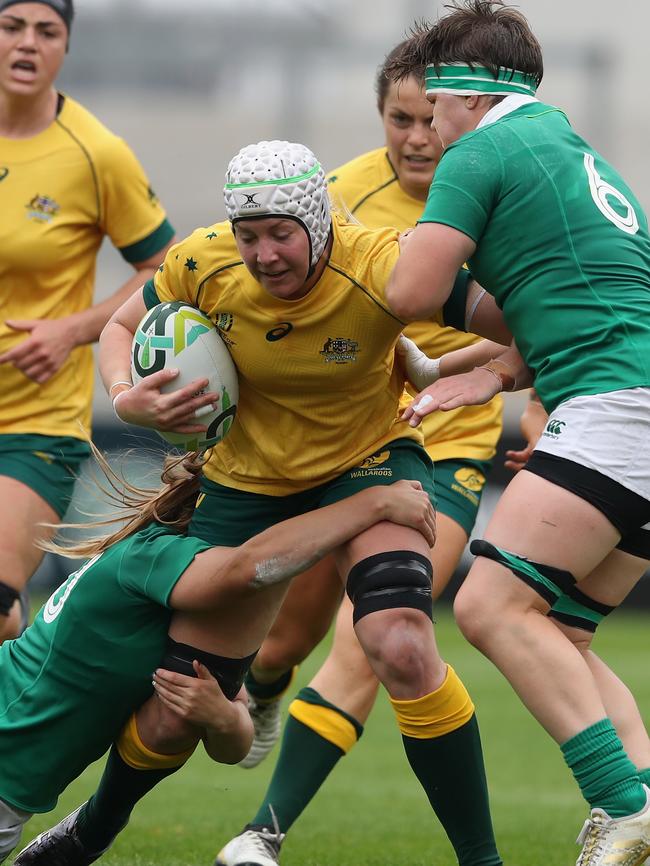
(562, 244)
(70, 682)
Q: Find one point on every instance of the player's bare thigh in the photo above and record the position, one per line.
(21, 512)
(544, 523)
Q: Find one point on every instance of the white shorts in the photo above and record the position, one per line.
(609, 433)
(11, 826)
(597, 447)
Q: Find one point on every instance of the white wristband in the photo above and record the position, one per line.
(117, 397)
(115, 384)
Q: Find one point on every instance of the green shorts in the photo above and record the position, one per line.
(459, 486)
(226, 516)
(49, 465)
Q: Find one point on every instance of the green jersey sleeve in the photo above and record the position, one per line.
(465, 186)
(154, 559)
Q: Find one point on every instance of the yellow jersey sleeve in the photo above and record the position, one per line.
(130, 212)
(191, 270)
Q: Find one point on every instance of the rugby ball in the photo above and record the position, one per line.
(175, 334)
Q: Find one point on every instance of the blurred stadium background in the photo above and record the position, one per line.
(187, 83)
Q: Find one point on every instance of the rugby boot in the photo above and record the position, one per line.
(616, 841)
(256, 846)
(267, 724)
(59, 846)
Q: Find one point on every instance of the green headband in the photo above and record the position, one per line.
(463, 80)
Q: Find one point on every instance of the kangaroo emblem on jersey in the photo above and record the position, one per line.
(340, 350)
(43, 208)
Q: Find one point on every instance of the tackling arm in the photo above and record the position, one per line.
(293, 546)
(424, 274)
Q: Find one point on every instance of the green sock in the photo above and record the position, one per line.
(268, 691)
(644, 776)
(109, 809)
(451, 771)
(607, 778)
(306, 759)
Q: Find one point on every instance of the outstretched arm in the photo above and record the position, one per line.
(422, 371)
(507, 371)
(291, 547)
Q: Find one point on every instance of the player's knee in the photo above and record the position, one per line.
(164, 731)
(473, 618)
(393, 580)
(399, 650)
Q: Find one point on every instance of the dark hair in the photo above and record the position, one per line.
(477, 32)
(64, 8)
(382, 80)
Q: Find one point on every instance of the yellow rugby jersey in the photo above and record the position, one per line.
(318, 390)
(60, 193)
(367, 187)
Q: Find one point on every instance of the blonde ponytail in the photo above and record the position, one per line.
(171, 504)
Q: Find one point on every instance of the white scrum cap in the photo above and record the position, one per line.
(283, 179)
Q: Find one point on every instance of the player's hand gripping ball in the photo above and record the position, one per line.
(178, 335)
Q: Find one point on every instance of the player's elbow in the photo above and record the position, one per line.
(405, 301)
(401, 303)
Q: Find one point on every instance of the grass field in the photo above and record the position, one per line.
(372, 811)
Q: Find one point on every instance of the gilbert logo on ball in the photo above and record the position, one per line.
(175, 334)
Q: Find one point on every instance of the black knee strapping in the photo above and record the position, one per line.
(228, 672)
(8, 596)
(397, 578)
(546, 580)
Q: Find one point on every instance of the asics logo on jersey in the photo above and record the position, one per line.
(554, 427)
(3, 172)
(281, 330)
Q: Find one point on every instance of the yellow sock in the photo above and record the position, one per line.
(435, 714)
(326, 722)
(134, 752)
